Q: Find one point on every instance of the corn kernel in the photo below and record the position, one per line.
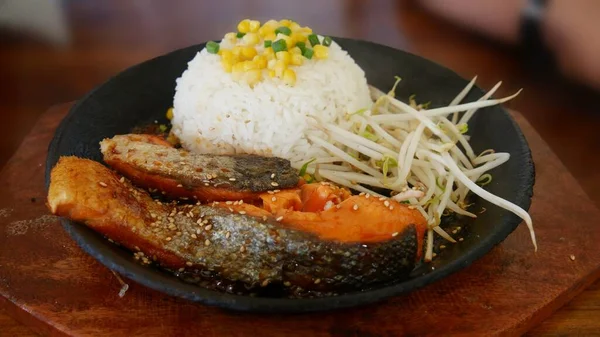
(297, 60)
(253, 76)
(295, 51)
(251, 39)
(321, 52)
(271, 24)
(306, 30)
(254, 26)
(285, 23)
(226, 55)
(294, 26)
(279, 68)
(238, 67)
(271, 73)
(284, 56)
(227, 65)
(237, 52)
(244, 26)
(170, 114)
(300, 37)
(271, 36)
(261, 61)
(271, 64)
(269, 53)
(289, 77)
(232, 37)
(248, 53)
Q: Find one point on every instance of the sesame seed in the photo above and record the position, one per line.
(242, 249)
(265, 283)
(189, 264)
(274, 184)
(367, 196)
(395, 234)
(206, 184)
(178, 233)
(241, 202)
(355, 207)
(198, 231)
(572, 257)
(461, 239)
(382, 199)
(361, 193)
(434, 254)
(230, 209)
(194, 236)
(207, 242)
(270, 192)
(317, 281)
(122, 180)
(242, 212)
(391, 208)
(168, 238)
(101, 183)
(264, 218)
(442, 246)
(272, 175)
(411, 207)
(338, 206)
(181, 269)
(229, 202)
(227, 235)
(231, 179)
(276, 191)
(208, 227)
(179, 185)
(287, 283)
(199, 221)
(274, 199)
(454, 231)
(279, 218)
(386, 203)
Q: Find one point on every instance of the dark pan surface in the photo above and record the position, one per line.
(144, 92)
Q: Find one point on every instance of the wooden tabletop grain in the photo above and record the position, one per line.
(104, 37)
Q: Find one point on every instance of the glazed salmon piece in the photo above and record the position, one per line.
(326, 252)
(178, 174)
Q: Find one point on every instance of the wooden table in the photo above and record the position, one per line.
(108, 36)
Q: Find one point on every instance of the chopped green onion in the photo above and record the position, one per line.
(212, 47)
(240, 35)
(308, 53)
(301, 45)
(268, 43)
(405, 202)
(283, 30)
(305, 166)
(484, 179)
(162, 128)
(279, 45)
(313, 39)
(327, 41)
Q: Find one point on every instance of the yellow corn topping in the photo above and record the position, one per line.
(271, 50)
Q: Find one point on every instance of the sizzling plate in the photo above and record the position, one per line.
(144, 92)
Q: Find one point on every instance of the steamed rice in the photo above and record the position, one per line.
(213, 113)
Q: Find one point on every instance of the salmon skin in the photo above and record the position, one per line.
(152, 163)
(257, 251)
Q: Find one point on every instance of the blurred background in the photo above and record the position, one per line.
(54, 51)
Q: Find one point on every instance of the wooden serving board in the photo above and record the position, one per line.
(48, 283)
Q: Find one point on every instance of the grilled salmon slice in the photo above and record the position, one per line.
(326, 252)
(156, 165)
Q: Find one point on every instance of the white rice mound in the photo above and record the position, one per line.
(213, 113)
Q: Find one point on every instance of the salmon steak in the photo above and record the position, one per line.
(151, 162)
(314, 238)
